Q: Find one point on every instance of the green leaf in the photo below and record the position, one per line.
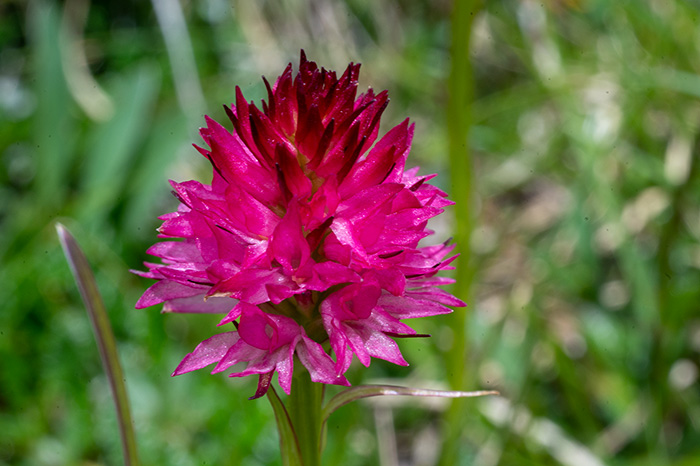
(113, 145)
(289, 446)
(105, 339)
(54, 124)
(167, 136)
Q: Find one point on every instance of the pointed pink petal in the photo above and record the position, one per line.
(241, 352)
(408, 308)
(385, 322)
(176, 250)
(366, 203)
(392, 280)
(197, 305)
(285, 366)
(358, 300)
(165, 290)
(378, 345)
(267, 362)
(263, 385)
(356, 341)
(288, 244)
(207, 352)
(294, 178)
(345, 235)
(255, 328)
(338, 341)
(375, 168)
(328, 274)
(321, 367)
(234, 314)
(437, 295)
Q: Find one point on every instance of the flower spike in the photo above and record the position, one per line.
(307, 238)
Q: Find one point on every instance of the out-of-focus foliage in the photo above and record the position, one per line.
(584, 308)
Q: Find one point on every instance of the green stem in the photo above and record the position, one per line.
(304, 407)
(460, 86)
(461, 93)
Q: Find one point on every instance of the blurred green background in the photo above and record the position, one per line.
(567, 135)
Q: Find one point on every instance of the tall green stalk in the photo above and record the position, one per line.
(304, 408)
(460, 91)
(289, 447)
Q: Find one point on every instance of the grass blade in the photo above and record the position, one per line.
(104, 336)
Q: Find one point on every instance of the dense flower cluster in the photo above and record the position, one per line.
(307, 238)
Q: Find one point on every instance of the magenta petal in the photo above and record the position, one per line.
(252, 216)
(266, 331)
(356, 341)
(432, 281)
(165, 290)
(437, 295)
(293, 176)
(285, 367)
(288, 244)
(366, 203)
(255, 328)
(199, 305)
(338, 342)
(179, 226)
(330, 273)
(240, 352)
(279, 292)
(385, 322)
(406, 199)
(176, 250)
(407, 307)
(378, 345)
(321, 367)
(343, 231)
(375, 168)
(234, 314)
(392, 280)
(237, 164)
(358, 300)
(247, 285)
(207, 352)
(263, 385)
(266, 362)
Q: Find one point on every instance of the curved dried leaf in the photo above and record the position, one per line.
(366, 391)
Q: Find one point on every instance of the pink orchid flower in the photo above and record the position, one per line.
(307, 238)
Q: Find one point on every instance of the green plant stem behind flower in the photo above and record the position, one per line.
(289, 446)
(461, 94)
(304, 408)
